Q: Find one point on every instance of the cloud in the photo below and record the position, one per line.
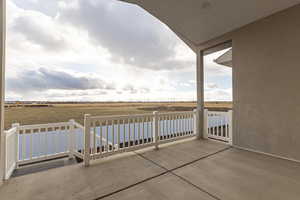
(134, 90)
(211, 85)
(44, 79)
(218, 95)
(131, 35)
(40, 30)
(99, 50)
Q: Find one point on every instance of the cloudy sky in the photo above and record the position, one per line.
(88, 50)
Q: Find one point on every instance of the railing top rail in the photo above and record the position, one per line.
(218, 112)
(119, 117)
(176, 113)
(10, 131)
(37, 126)
(78, 125)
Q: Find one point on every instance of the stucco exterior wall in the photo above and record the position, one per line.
(266, 73)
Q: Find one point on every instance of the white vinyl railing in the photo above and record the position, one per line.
(102, 136)
(77, 145)
(218, 125)
(109, 135)
(176, 125)
(132, 132)
(29, 144)
(11, 151)
(43, 142)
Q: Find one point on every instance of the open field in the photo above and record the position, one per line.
(63, 112)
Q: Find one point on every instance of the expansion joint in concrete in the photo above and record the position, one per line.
(167, 171)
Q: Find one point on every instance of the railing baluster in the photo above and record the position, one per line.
(167, 127)
(191, 123)
(156, 129)
(149, 130)
(113, 135)
(188, 124)
(179, 125)
(95, 138)
(230, 142)
(118, 130)
(133, 132)
(225, 125)
(38, 138)
(217, 123)
(107, 144)
(143, 128)
(139, 130)
(129, 133)
(172, 126)
(30, 144)
(124, 133)
(58, 140)
(101, 137)
(184, 125)
(213, 125)
(45, 146)
(23, 145)
(176, 126)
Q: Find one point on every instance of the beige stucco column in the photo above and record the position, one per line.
(2, 85)
(200, 92)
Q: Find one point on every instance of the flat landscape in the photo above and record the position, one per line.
(62, 112)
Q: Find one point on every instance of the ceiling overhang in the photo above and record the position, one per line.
(198, 21)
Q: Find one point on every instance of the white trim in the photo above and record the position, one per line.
(49, 125)
(77, 154)
(39, 159)
(139, 147)
(10, 171)
(10, 132)
(215, 137)
(117, 117)
(40, 163)
(267, 154)
(218, 141)
(2, 88)
(123, 150)
(176, 139)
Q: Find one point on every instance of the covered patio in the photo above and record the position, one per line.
(190, 169)
(263, 160)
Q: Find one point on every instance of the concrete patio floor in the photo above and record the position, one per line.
(191, 169)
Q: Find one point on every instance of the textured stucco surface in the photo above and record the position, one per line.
(266, 58)
(266, 84)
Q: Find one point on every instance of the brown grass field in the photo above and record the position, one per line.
(63, 112)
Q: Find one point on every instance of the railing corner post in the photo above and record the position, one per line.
(196, 123)
(205, 124)
(71, 137)
(230, 127)
(16, 125)
(155, 129)
(87, 140)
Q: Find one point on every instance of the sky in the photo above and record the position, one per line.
(101, 50)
